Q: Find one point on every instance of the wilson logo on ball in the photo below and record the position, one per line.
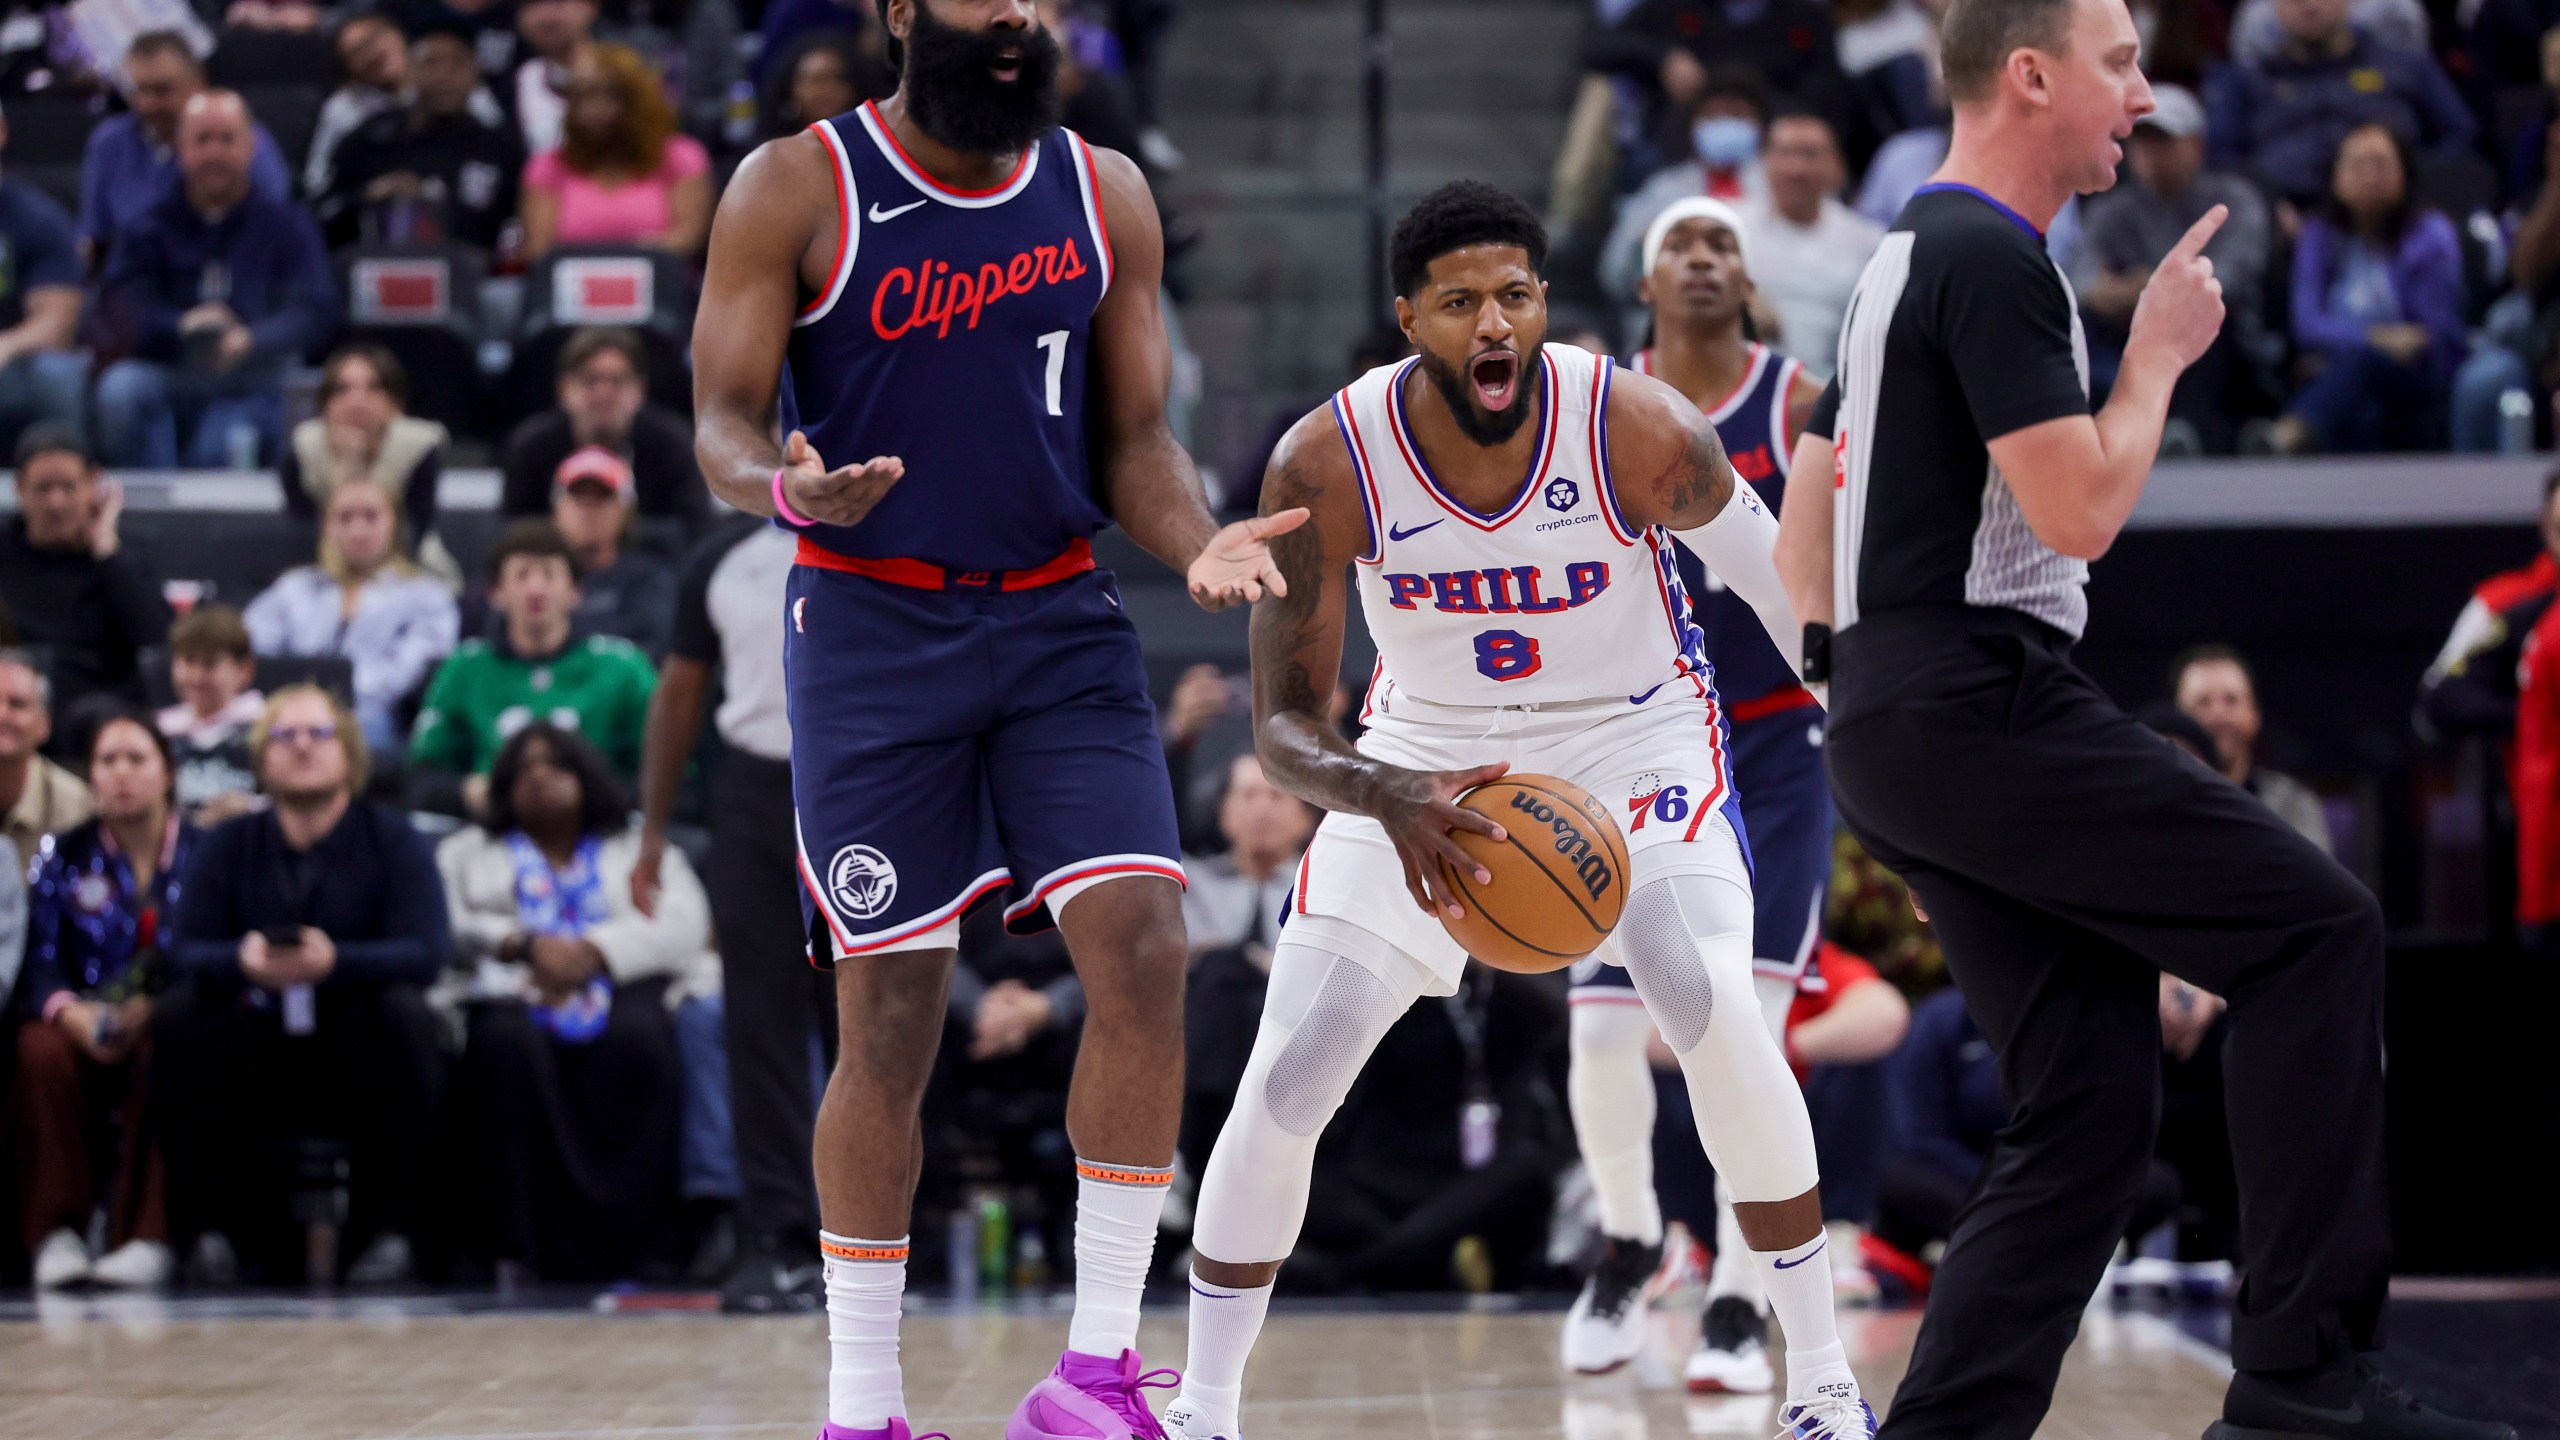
(1570, 841)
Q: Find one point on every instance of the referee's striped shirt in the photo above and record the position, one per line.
(1961, 330)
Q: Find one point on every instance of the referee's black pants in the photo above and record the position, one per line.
(2065, 855)
(779, 1005)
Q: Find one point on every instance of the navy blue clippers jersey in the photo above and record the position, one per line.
(953, 334)
(1752, 423)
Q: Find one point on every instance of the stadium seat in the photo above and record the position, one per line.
(422, 303)
(290, 112)
(576, 286)
(245, 58)
(48, 136)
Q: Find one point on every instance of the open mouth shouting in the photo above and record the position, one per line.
(1495, 374)
(1008, 66)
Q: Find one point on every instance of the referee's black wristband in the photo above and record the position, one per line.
(1817, 654)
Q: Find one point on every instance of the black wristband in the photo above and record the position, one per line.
(1817, 654)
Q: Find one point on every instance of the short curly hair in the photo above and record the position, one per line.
(1455, 216)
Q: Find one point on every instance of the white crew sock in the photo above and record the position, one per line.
(865, 1279)
(1224, 1324)
(1799, 1287)
(1735, 1271)
(1117, 1207)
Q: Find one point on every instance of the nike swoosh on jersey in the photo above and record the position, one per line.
(1649, 694)
(1791, 1264)
(1395, 534)
(878, 214)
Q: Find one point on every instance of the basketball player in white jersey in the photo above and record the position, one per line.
(1508, 508)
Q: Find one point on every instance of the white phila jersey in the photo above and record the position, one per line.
(1552, 598)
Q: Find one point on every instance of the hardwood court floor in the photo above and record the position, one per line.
(142, 1371)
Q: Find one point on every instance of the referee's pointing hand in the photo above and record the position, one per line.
(2181, 309)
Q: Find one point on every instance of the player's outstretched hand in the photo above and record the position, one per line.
(1235, 567)
(841, 496)
(1418, 810)
(2181, 309)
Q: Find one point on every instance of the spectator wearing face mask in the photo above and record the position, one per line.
(1725, 130)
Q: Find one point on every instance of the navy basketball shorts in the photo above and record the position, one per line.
(1786, 809)
(948, 746)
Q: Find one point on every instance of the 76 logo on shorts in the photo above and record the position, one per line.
(1666, 803)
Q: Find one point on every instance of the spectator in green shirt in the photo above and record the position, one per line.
(537, 668)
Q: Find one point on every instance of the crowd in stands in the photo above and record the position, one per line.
(2394, 238)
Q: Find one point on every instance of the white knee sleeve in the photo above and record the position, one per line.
(1611, 1093)
(1777, 996)
(1687, 941)
(1334, 992)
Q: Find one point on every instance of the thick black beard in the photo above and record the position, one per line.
(1487, 428)
(954, 96)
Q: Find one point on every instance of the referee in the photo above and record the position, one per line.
(2063, 852)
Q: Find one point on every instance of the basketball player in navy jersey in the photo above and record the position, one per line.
(1506, 509)
(948, 305)
(1697, 280)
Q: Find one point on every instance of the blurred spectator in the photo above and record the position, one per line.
(66, 576)
(535, 667)
(827, 74)
(1396, 1187)
(2533, 773)
(2377, 307)
(1727, 118)
(569, 1094)
(364, 601)
(272, 15)
(623, 591)
(1098, 104)
(1236, 897)
(38, 798)
(2522, 330)
(1669, 46)
(214, 672)
(373, 73)
(1205, 701)
(1817, 246)
(216, 290)
(2258, 27)
(432, 171)
(2284, 119)
(778, 1009)
(2471, 687)
(364, 432)
(13, 927)
(42, 376)
(305, 937)
(1889, 48)
(2508, 41)
(604, 400)
(2216, 686)
(1242, 492)
(491, 24)
(552, 31)
(1946, 1111)
(99, 906)
(622, 174)
(132, 161)
(2130, 229)
(786, 22)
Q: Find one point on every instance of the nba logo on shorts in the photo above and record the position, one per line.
(861, 881)
(1561, 493)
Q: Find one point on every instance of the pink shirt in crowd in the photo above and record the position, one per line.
(630, 213)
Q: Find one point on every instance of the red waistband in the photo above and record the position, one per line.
(1076, 559)
(1776, 702)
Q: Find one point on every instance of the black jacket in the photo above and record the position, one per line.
(95, 616)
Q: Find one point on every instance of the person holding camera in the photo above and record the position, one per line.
(306, 937)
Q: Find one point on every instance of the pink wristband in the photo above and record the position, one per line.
(782, 506)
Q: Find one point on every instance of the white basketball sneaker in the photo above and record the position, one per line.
(61, 1261)
(1182, 1421)
(1732, 1357)
(1606, 1326)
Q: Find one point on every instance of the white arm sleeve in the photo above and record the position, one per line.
(1740, 545)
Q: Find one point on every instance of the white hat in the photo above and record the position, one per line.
(1696, 207)
(2175, 111)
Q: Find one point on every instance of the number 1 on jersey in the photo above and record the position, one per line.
(1055, 342)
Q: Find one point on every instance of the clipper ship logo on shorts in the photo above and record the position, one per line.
(861, 881)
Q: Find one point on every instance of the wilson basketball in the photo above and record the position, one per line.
(1559, 875)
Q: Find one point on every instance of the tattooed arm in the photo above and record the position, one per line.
(1681, 481)
(1297, 657)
